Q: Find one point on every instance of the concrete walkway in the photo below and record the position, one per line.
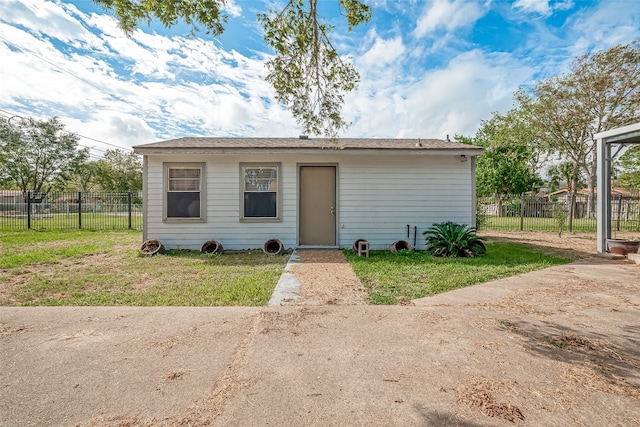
(430, 364)
(288, 287)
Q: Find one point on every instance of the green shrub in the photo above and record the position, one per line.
(560, 218)
(449, 239)
(482, 217)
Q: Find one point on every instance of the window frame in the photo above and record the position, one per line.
(259, 165)
(165, 190)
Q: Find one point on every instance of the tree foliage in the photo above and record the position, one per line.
(119, 171)
(307, 73)
(207, 13)
(600, 92)
(565, 172)
(37, 152)
(510, 162)
(83, 178)
(629, 163)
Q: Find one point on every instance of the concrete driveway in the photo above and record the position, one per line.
(556, 347)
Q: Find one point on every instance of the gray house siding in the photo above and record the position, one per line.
(378, 194)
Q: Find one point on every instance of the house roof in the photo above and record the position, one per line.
(615, 191)
(208, 144)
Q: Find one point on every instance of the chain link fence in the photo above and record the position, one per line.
(557, 213)
(70, 210)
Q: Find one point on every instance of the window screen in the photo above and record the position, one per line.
(260, 192)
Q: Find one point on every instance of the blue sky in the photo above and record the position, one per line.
(428, 67)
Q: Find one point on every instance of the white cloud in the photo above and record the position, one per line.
(451, 100)
(57, 60)
(24, 68)
(133, 90)
(603, 27)
(542, 7)
(50, 19)
(232, 8)
(383, 52)
(539, 6)
(448, 15)
(115, 127)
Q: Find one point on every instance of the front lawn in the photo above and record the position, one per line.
(106, 268)
(391, 278)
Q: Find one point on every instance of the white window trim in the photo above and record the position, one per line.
(203, 191)
(278, 217)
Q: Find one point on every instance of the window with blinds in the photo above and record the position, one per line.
(184, 192)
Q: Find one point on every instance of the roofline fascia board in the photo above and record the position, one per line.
(350, 151)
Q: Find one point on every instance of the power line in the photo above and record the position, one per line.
(82, 80)
(9, 114)
(106, 143)
(92, 148)
(73, 75)
(95, 156)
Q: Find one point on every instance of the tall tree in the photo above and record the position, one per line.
(307, 73)
(565, 172)
(600, 92)
(511, 161)
(37, 152)
(83, 178)
(119, 171)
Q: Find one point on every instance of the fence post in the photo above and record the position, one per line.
(521, 211)
(637, 212)
(28, 210)
(130, 207)
(619, 211)
(79, 209)
(571, 205)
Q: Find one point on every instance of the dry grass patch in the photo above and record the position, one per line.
(89, 268)
(486, 395)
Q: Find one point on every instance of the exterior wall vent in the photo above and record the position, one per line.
(303, 136)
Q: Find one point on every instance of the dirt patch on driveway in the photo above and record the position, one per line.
(556, 347)
(327, 279)
(569, 244)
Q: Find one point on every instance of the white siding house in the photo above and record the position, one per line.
(304, 192)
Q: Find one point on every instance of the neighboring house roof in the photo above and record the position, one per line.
(556, 193)
(226, 145)
(10, 193)
(615, 191)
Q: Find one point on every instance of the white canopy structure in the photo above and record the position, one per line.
(624, 135)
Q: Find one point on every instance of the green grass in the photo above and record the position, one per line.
(90, 221)
(588, 225)
(35, 247)
(106, 268)
(391, 278)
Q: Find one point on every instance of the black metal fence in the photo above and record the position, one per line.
(563, 212)
(65, 210)
(121, 211)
